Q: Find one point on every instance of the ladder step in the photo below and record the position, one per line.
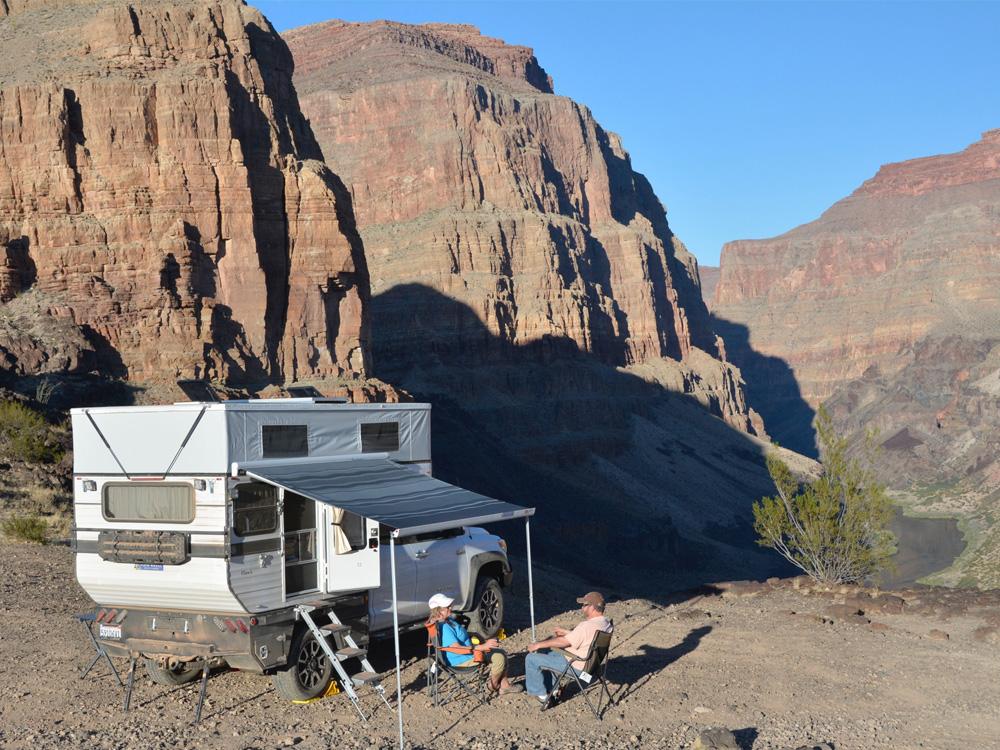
(333, 628)
(365, 678)
(350, 653)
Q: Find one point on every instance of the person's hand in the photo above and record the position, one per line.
(560, 632)
(532, 647)
(492, 643)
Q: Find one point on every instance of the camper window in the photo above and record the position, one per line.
(255, 509)
(284, 440)
(380, 437)
(163, 503)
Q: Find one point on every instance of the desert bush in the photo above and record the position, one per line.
(25, 528)
(835, 527)
(26, 436)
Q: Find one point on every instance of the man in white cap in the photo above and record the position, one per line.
(577, 641)
(454, 635)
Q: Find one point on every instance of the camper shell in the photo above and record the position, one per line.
(200, 528)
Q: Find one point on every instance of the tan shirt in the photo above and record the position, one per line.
(582, 636)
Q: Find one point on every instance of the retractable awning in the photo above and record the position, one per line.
(397, 495)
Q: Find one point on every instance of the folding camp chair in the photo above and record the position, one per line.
(468, 678)
(593, 675)
(87, 619)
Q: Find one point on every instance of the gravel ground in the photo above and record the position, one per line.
(769, 663)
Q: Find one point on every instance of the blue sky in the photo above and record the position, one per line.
(747, 118)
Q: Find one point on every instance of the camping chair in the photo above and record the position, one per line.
(593, 675)
(470, 678)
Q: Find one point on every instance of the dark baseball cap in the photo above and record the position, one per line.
(593, 598)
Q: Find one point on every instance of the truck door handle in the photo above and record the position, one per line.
(460, 552)
(421, 554)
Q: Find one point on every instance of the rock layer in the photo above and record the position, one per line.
(525, 280)
(887, 308)
(495, 191)
(161, 195)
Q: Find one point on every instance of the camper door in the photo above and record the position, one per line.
(352, 548)
(256, 570)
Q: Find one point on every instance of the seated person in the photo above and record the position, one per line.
(453, 634)
(576, 641)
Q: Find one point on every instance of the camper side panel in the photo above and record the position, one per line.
(145, 441)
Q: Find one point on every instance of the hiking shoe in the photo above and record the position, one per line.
(512, 689)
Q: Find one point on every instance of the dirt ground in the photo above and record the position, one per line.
(770, 663)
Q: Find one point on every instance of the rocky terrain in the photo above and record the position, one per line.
(887, 308)
(525, 280)
(709, 276)
(783, 665)
(164, 211)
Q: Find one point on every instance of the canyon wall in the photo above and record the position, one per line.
(887, 309)
(164, 210)
(526, 281)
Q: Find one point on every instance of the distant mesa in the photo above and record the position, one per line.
(886, 309)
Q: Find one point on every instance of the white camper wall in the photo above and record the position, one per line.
(143, 441)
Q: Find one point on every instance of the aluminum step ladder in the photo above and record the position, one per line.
(346, 648)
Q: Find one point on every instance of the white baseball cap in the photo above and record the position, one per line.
(439, 600)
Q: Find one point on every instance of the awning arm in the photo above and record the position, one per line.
(395, 637)
(531, 587)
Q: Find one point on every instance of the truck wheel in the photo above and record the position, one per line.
(486, 616)
(179, 675)
(308, 672)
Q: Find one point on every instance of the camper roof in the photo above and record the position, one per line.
(268, 404)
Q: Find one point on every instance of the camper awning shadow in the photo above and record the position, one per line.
(399, 496)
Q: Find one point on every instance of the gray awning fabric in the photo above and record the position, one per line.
(396, 495)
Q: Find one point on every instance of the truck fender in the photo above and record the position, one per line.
(477, 563)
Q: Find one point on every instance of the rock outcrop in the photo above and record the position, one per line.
(887, 309)
(164, 211)
(525, 280)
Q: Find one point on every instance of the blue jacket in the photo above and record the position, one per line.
(453, 634)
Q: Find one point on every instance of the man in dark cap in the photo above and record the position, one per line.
(576, 641)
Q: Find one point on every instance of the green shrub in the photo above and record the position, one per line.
(26, 436)
(834, 528)
(26, 528)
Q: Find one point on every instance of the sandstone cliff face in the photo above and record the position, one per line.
(162, 198)
(887, 308)
(493, 190)
(525, 280)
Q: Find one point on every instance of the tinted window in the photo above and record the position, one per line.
(255, 509)
(284, 440)
(164, 503)
(380, 437)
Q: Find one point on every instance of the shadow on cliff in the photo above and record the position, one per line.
(547, 425)
(771, 389)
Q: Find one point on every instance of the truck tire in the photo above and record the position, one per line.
(179, 675)
(486, 615)
(308, 672)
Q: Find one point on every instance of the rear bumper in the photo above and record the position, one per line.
(187, 636)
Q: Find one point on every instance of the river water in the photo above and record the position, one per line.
(926, 545)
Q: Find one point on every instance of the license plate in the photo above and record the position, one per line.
(110, 631)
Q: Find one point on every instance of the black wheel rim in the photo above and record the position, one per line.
(489, 609)
(311, 665)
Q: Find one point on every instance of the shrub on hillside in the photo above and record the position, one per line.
(835, 527)
(26, 436)
(25, 528)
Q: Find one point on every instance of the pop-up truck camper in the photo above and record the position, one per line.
(265, 535)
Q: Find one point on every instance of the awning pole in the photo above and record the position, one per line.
(531, 587)
(395, 637)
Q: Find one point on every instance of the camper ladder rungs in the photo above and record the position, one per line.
(346, 648)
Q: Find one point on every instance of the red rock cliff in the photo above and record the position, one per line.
(163, 209)
(470, 177)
